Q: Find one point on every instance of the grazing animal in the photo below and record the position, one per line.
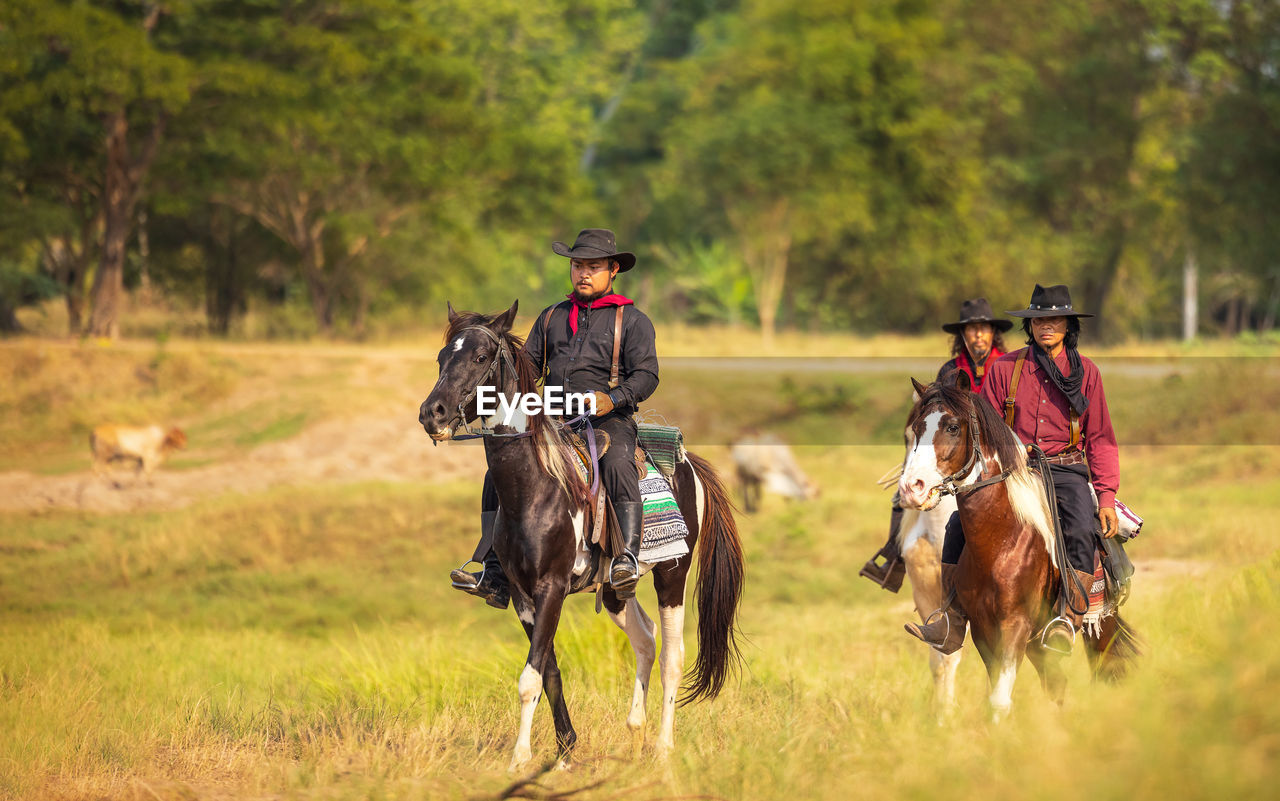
(543, 542)
(764, 461)
(145, 446)
(1007, 578)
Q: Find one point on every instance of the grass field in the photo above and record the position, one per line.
(303, 642)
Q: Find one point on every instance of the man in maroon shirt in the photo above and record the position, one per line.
(1060, 407)
(978, 343)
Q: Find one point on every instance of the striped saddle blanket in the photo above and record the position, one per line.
(665, 533)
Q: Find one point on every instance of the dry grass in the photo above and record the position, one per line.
(304, 643)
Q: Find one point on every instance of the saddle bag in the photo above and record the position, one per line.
(664, 444)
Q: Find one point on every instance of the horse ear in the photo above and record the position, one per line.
(917, 391)
(502, 323)
(453, 315)
(962, 380)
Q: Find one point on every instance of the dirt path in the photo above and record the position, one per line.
(372, 447)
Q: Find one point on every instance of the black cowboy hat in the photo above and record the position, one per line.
(1052, 302)
(596, 243)
(976, 310)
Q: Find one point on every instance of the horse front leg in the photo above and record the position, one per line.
(640, 630)
(924, 569)
(1002, 668)
(540, 617)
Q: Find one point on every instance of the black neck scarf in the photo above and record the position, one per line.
(1072, 386)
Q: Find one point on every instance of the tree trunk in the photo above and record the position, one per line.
(8, 318)
(1098, 287)
(121, 189)
(766, 245)
(69, 267)
(313, 263)
(1190, 296)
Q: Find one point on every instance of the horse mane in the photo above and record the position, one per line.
(549, 447)
(1025, 488)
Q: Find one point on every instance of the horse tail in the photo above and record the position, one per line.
(719, 591)
(1114, 650)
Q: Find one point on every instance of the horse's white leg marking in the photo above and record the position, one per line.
(530, 686)
(1002, 688)
(672, 618)
(640, 631)
(582, 559)
(524, 611)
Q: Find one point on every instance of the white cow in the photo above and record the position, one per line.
(764, 461)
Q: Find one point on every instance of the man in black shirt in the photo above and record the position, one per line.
(573, 343)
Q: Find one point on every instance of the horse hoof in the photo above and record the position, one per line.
(519, 762)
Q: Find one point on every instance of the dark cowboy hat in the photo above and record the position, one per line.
(596, 243)
(976, 310)
(1052, 302)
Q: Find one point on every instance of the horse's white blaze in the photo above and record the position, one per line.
(640, 632)
(672, 618)
(922, 461)
(457, 344)
(530, 687)
(1002, 689)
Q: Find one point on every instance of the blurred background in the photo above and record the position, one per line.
(281, 170)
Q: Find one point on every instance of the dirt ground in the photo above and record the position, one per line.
(371, 447)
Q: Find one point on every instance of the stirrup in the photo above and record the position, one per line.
(472, 581)
(625, 588)
(1057, 623)
(934, 615)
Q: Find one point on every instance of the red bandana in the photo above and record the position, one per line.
(598, 303)
(965, 363)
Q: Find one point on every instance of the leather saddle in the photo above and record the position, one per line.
(604, 535)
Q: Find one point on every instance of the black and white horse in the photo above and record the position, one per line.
(543, 543)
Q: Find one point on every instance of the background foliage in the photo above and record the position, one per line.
(844, 164)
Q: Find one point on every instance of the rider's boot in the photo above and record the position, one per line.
(1059, 634)
(889, 572)
(624, 572)
(490, 583)
(945, 628)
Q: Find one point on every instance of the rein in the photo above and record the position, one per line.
(503, 357)
(1059, 540)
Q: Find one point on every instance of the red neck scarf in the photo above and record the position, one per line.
(965, 362)
(598, 303)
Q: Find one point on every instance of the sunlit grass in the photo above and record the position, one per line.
(306, 643)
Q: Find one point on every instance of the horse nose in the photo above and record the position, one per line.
(431, 412)
(911, 492)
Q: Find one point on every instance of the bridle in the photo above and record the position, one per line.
(949, 485)
(502, 358)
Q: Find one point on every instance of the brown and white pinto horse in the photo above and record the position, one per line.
(543, 544)
(1007, 578)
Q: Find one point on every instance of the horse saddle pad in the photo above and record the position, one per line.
(664, 530)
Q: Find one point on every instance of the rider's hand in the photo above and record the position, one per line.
(1110, 523)
(604, 404)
